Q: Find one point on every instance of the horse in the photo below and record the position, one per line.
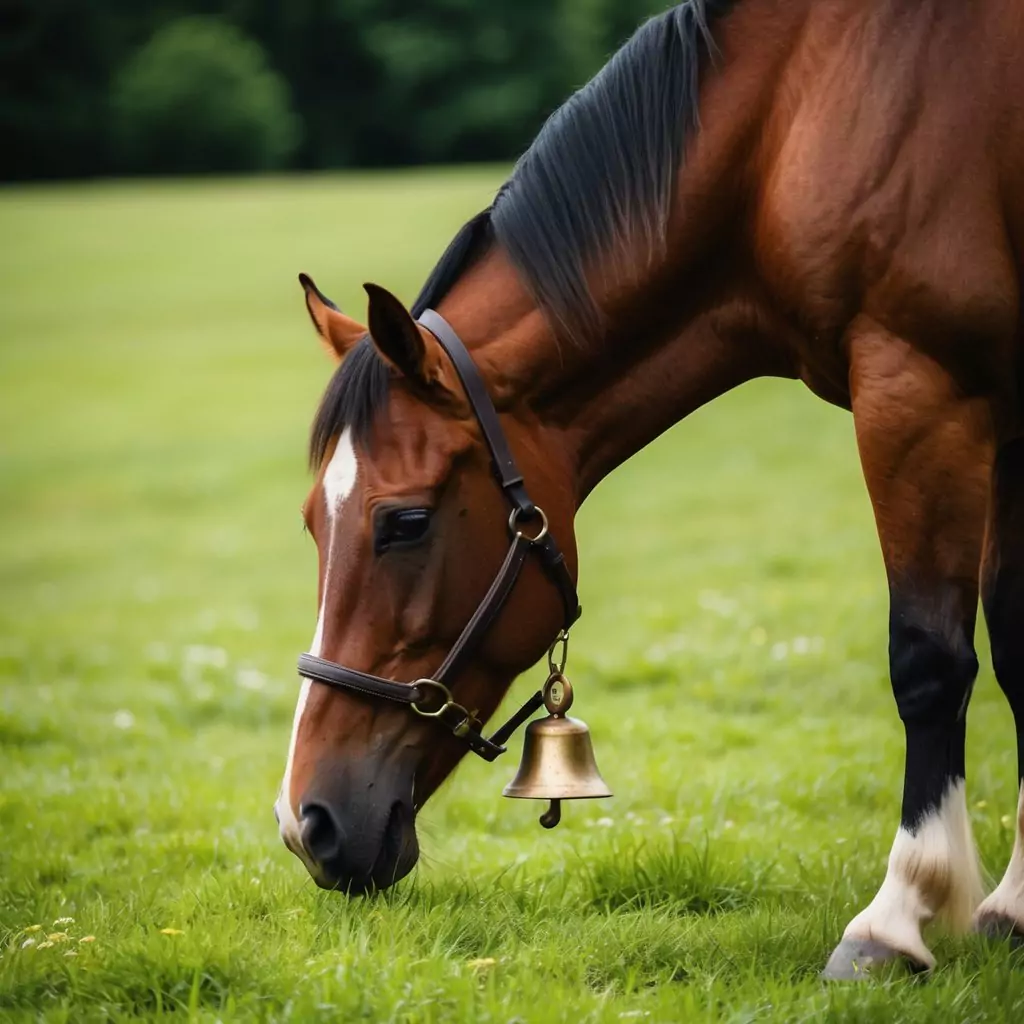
(830, 191)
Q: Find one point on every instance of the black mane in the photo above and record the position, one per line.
(599, 176)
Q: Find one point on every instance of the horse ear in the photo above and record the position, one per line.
(338, 332)
(399, 339)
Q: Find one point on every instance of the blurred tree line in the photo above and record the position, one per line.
(168, 86)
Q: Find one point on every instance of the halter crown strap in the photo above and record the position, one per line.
(487, 416)
(501, 455)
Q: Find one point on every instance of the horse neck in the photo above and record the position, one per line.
(601, 402)
(687, 325)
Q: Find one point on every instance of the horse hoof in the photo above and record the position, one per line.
(857, 959)
(1001, 928)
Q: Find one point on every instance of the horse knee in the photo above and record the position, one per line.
(932, 664)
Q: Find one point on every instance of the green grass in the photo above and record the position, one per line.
(157, 377)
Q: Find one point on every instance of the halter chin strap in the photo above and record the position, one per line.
(422, 696)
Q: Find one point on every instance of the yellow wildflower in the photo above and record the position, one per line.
(44, 945)
(483, 963)
(58, 936)
(87, 938)
(34, 928)
(171, 931)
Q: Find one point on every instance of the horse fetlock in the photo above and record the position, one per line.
(933, 873)
(1001, 913)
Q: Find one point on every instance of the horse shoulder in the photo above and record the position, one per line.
(881, 193)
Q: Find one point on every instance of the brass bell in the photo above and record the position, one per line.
(558, 758)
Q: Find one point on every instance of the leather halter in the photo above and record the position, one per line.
(451, 715)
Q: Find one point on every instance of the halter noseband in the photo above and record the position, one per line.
(448, 713)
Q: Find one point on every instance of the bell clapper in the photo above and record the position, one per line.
(553, 815)
(558, 700)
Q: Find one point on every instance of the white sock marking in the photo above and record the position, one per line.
(932, 872)
(1007, 899)
(338, 482)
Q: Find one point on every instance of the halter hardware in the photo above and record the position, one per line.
(445, 692)
(513, 525)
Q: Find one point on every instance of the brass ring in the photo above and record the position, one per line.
(445, 692)
(512, 525)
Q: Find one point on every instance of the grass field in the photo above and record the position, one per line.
(157, 378)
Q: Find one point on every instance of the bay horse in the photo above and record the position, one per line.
(824, 190)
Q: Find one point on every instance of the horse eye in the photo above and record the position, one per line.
(401, 526)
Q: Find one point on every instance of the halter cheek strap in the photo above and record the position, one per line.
(505, 467)
(418, 695)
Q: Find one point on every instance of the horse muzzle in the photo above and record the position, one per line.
(357, 828)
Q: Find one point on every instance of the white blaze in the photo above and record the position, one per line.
(932, 871)
(340, 475)
(338, 481)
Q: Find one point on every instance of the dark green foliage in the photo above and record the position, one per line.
(200, 97)
(373, 82)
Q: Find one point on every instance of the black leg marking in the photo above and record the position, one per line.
(933, 667)
(1003, 582)
(1001, 915)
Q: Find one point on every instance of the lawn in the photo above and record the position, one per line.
(157, 378)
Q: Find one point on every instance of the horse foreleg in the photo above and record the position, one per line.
(1002, 913)
(927, 453)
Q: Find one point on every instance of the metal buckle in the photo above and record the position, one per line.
(460, 728)
(513, 525)
(445, 693)
(463, 728)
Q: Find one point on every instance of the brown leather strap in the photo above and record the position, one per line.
(476, 391)
(487, 610)
(452, 716)
(553, 561)
(333, 674)
(524, 714)
(501, 455)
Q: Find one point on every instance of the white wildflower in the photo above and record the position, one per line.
(251, 679)
(123, 719)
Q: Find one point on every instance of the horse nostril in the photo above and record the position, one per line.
(321, 832)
